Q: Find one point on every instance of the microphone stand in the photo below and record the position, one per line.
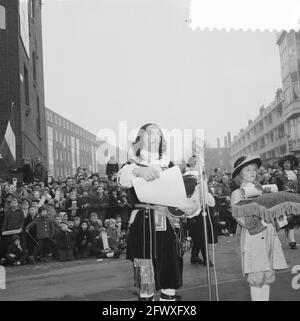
(204, 215)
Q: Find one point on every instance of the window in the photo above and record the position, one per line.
(38, 118)
(280, 131)
(2, 17)
(34, 65)
(26, 86)
(50, 151)
(290, 38)
(32, 8)
(294, 76)
(296, 91)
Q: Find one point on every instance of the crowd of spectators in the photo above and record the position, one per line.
(86, 215)
(77, 217)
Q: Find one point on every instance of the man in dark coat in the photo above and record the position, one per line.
(13, 220)
(65, 242)
(112, 166)
(39, 171)
(26, 171)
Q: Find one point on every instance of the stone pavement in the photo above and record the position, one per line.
(112, 279)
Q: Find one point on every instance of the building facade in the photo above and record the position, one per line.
(69, 146)
(276, 131)
(264, 136)
(22, 107)
(289, 49)
(216, 157)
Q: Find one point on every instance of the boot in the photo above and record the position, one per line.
(210, 263)
(150, 298)
(293, 245)
(165, 297)
(196, 260)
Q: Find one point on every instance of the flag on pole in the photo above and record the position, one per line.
(8, 143)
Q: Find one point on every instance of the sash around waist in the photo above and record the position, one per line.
(158, 208)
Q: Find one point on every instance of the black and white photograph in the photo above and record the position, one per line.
(149, 151)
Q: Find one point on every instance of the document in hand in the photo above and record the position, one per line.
(167, 190)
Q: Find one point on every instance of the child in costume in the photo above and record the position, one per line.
(261, 250)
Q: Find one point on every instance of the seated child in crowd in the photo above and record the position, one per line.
(84, 240)
(16, 255)
(101, 248)
(65, 241)
(95, 225)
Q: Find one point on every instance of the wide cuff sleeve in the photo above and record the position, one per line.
(125, 175)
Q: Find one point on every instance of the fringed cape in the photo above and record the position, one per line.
(269, 207)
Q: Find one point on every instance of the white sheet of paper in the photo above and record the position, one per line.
(42, 201)
(57, 195)
(167, 190)
(105, 241)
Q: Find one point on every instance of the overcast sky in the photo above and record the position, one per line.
(107, 61)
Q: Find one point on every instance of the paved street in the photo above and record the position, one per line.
(111, 280)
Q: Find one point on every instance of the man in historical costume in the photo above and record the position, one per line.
(195, 222)
(155, 237)
(288, 181)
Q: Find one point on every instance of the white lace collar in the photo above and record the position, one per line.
(147, 158)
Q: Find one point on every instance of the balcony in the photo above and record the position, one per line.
(294, 145)
(292, 110)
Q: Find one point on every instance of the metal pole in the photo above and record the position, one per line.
(35, 241)
(204, 215)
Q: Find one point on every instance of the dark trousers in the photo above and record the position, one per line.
(4, 244)
(195, 228)
(195, 251)
(22, 258)
(45, 248)
(65, 254)
(85, 250)
(55, 252)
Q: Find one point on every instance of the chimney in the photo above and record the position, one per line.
(261, 110)
(225, 141)
(229, 138)
(218, 141)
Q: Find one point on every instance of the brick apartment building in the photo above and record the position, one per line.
(22, 80)
(69, 146)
